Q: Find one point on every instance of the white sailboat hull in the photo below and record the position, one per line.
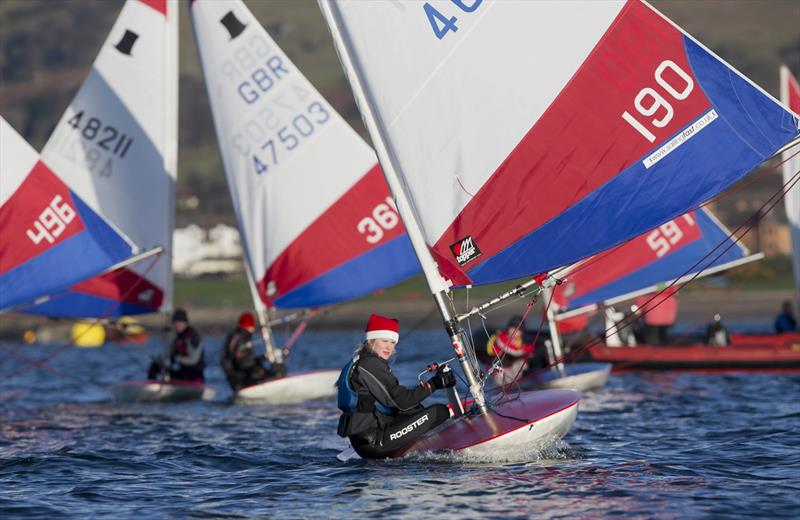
(580, 376)
(528, 423)
(295, 388)
(160, 391)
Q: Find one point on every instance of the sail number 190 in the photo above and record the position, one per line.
(649, 101)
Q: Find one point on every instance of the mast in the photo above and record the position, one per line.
(262, 312)
(555, 338)
(171, 141)
(437, 285)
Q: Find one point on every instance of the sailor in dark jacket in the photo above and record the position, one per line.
(183, 358)
(379, 415)
(240, 363)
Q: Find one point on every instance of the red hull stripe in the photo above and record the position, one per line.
(35, 208)
(552, 172)
(334, 238)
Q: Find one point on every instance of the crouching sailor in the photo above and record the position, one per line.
(379, 415)
(241, 365)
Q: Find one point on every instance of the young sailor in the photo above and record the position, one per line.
(785, 321)
(183, 358)
(379, 415)
(507, 344)
(241, 365)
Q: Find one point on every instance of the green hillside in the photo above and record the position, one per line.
(46, 47)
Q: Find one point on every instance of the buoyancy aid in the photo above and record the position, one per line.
(350, 401)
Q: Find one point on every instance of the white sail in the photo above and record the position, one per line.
(317, 221)
(790, 95)
(116, 144)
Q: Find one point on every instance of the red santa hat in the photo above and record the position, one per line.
(247, 321)
(381, 327)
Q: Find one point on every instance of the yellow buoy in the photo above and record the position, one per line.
(88, 334)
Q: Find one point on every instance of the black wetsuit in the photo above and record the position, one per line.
(185, 357)
(374, 434)
(241, 365)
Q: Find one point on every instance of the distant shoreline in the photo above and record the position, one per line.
(695, 307)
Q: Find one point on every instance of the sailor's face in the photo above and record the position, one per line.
(384, 347)
(179, 326)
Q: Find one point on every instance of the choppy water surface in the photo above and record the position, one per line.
(663, 445)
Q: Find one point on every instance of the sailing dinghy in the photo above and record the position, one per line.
(518, 137)
(116, 145)
(683, 249)
(317, 221)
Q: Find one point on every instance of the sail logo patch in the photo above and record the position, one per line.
(465, 251)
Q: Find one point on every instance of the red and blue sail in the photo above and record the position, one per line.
(117, 149)
(531, 135)
(49, 237)
(688, 245)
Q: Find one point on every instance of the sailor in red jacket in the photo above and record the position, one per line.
(507, 344)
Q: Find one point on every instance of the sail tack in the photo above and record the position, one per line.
(49, 237)
(317, 220)
(530, 135)
(790, 95)
(684, 246)
(116, 144)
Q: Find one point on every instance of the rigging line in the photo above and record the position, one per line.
(103, 316)
(747, 183)
(626, 322)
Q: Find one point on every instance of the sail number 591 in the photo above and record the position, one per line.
(649, 102)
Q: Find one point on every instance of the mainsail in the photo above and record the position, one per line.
(318, 223)
(518, 137)
(116, 145)
(693, 244)
(790, 95)
(49, 237)
(530, 135)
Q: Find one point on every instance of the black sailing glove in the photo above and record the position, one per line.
(444, 378)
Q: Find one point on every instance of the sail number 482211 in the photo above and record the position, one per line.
(649, 102)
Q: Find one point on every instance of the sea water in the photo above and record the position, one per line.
(664, 445)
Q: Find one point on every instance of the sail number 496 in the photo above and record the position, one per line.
(52, 221)
(649, 101)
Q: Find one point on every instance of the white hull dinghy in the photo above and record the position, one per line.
(493, 191)
(289, 389)
(152, 391)
(316, 218)
(578, 376)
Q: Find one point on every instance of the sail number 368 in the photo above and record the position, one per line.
(649, 102)
(384, 217)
